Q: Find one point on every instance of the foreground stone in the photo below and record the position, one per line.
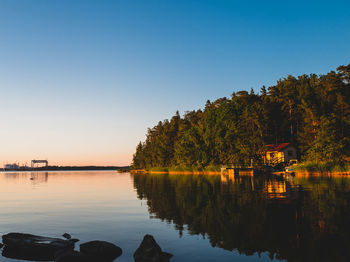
(101, 250)
(32, 247)
(150, 251)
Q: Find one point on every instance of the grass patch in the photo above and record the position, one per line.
(322, 167)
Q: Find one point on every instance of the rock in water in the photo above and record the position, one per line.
(31, 247)
(101, 250)
(150, 251)
(1, 245)
(67, 236)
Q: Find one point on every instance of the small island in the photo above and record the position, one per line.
(310, 112)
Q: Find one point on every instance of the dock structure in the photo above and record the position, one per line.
(244, 168)
(38, 161)
(236, 168)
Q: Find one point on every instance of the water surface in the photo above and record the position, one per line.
(194, 217)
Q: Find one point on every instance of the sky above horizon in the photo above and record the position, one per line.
(81, 81)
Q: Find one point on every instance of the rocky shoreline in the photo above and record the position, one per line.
(39, 248)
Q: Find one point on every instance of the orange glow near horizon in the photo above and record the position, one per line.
(71, 159)
(68, 144)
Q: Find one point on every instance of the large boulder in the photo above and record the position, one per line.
(101, 250)
(150, 251)
(32, 247)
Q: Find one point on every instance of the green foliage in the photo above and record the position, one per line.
(311, 111)
(328, 145)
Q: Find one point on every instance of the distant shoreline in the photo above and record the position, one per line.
(71, 168)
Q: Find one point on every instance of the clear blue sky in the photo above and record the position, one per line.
(81, 81)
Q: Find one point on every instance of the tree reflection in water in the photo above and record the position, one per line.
(297, 219)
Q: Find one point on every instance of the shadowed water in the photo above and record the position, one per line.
(194, 217)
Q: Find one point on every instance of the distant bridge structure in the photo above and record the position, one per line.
(37, 162)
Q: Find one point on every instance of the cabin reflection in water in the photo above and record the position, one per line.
(281, 190)
(276, 189)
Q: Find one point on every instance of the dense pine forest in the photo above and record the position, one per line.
(310, 111)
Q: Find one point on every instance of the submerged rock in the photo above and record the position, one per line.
(32, 247)
(101, 250)
(67, 236)
(150, 251)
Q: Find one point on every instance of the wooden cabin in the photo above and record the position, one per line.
(280, 153)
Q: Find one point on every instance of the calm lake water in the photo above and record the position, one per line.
(194, 217)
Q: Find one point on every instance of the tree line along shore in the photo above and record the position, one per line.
(310, 111)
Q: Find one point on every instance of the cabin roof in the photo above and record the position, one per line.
(277, 147)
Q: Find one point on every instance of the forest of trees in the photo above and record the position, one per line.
(311, 111)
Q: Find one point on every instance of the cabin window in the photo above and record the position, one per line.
(290, 152)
